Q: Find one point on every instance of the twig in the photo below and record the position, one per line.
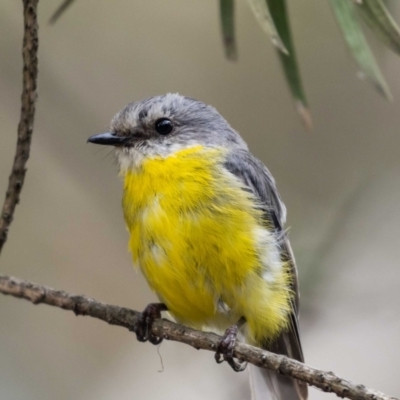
(60, 10)
(114, 315)
(25, 127)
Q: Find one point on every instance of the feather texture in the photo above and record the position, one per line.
(201, 240)
(256, 177)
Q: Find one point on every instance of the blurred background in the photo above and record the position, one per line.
(340, 184)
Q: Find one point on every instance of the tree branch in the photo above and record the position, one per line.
(25, 127)
(114, 315)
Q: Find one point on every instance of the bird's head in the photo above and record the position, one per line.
(162, 125)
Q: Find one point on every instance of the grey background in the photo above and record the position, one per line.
(340, 184)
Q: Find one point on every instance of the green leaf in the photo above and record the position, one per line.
(347, 18)
(60, 10)
(261, 11)
(279, 16)
(379, 20)
(227, 15)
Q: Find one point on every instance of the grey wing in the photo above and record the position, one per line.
(256, 177)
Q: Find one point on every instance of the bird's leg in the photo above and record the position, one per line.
(225, 347)
(146, 319)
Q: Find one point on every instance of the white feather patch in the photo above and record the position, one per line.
(268, 250)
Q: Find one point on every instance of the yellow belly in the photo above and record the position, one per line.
(194, 234)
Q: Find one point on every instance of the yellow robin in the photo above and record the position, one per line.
(206, 229)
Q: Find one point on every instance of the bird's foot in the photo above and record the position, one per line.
(225, 349)
(145, 321)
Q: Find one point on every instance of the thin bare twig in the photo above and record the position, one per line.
(114, 315)
(60, 11)
(25, 127)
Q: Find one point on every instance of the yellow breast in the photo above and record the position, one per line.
(200, 241)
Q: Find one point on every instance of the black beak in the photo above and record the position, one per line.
(108, 138)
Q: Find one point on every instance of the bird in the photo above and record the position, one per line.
(206, 229)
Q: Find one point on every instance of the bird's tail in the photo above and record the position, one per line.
(267, 385)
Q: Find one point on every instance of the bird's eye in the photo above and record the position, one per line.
(163, 126)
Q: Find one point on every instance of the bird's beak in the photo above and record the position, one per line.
(108, 138)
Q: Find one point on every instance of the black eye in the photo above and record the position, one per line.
(163, 126)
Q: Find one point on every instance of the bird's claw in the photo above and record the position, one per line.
(145, 321)
(225, 350)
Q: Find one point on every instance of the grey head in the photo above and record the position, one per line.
(164, 124)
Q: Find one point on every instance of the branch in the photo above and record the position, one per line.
(25, 127)
(114, 315)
